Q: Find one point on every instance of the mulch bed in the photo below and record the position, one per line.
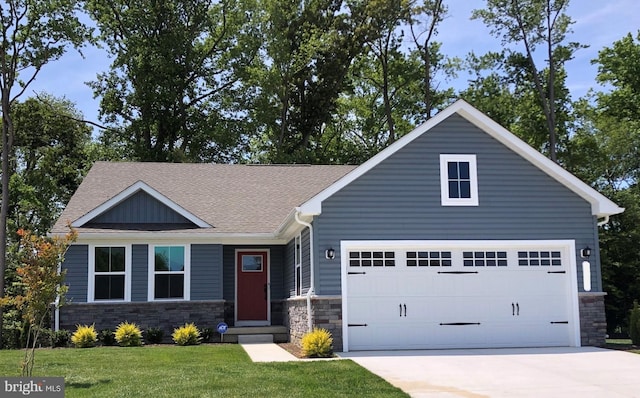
(293, 348)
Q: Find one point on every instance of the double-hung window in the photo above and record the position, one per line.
(169, 273)
(109, 270)
(458, 180)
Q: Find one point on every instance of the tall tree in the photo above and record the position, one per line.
(53, 151)
(534, 23)
(308, 49)
(606, 152)
(425, 16)
(174, 87)
(34, 33)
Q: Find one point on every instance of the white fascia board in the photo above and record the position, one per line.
(130, 191)
(600, 205)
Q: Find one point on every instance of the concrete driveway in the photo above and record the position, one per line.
(527, 372)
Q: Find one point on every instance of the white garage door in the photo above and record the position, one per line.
(471, 294)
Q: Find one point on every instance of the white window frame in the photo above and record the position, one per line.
(152, 272)
(297, 264)
(444, 180)
(91, 285)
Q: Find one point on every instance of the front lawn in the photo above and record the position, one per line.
(196, 371)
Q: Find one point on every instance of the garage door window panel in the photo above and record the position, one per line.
(484, 258)
(428, 259)
(372, 259)
(539, 258)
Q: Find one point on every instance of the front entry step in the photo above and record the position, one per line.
(255, 338)
(256, 334)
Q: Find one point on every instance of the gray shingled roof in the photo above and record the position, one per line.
(231, 198)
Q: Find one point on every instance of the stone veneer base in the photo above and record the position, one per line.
(326, 313)
(163, 315)
(593, 322)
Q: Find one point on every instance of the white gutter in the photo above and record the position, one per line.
(311, 290)
(603, 222)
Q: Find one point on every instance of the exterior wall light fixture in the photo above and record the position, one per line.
(330, 253)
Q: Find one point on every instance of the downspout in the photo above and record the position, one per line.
(311, 290)
(603, 222)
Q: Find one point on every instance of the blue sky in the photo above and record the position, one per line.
(597, 23)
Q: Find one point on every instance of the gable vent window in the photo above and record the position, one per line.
(429, 259)
(539, 258)
(458, 180)
(372, 259)
(484, 259)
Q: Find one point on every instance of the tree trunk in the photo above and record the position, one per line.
(387, 101)
(7, 142)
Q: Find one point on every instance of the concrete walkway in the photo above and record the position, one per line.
(271, 352)
(268, 352)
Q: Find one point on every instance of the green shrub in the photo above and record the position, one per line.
(128, 335)
(207, 335)
(106, 337)
(634, 324)
(186, 335)
(154, 335)
(85, 336)
(61, 338)
(317, 344)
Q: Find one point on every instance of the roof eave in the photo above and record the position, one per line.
(600, 205)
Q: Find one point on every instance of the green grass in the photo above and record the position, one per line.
(196, 371)
(622, 345)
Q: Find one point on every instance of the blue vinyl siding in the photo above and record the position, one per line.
(76, 264)
(206, 272)
(140, 208)
(139, 272)
(276, 262)
(400, 199)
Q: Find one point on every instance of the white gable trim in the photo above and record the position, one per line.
(600, 205)
(127, 193)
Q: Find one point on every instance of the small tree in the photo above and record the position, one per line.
(42, 284)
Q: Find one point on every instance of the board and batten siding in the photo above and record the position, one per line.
(140, 208)
(276, 270)
(400, 199)
(206, 272)
(76, 264)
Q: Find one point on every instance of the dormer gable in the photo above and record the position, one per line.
(139, 204)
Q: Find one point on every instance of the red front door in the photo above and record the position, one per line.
(252, 287)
